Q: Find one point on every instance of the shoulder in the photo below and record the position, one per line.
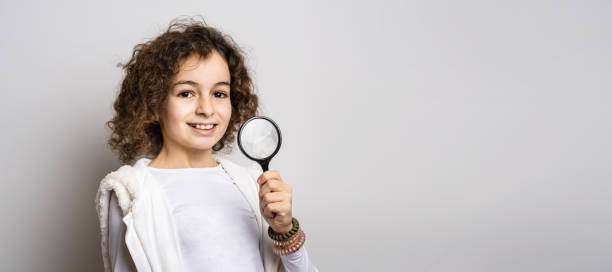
(137, 168)
(126, 179)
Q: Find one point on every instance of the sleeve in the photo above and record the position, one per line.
(120, 258)
(298, 261)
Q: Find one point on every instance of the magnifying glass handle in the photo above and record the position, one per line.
(264, 164)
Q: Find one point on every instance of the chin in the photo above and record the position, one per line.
(203, 146)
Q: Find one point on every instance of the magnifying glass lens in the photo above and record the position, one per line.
(259, 139)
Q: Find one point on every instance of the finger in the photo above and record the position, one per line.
(287, 188)
(265, 180)
(268, 175)
(265, 189)
(268, 213)
(274, 197)
(281, 208)
(272, 185)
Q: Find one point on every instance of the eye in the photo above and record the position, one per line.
(182, 94)
(220, 94)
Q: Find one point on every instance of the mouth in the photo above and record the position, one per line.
(203, 129)
(202, 126)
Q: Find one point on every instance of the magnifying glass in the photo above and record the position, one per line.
(259, 138)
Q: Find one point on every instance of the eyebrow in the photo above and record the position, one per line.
(193, 83)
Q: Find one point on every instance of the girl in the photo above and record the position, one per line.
(184, 95)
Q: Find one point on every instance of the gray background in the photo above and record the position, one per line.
(418, 136)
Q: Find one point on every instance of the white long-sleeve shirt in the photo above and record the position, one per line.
(217, 229)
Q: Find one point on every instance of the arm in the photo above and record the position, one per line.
(120, 258)
(298, 261)
(275, 198)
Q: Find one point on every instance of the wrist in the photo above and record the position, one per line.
(289, 242)
(286, 235)
(284, 230)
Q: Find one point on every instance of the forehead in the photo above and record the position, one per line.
(209, 69)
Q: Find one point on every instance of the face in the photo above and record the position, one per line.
(198, 106)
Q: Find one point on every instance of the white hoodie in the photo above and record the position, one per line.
(144, 204)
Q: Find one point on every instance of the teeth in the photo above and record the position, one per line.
(204, 126)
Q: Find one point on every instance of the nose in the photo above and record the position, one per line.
(205, 106)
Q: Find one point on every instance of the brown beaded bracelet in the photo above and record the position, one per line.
(289, 241)
(293, 242)
(291, 248)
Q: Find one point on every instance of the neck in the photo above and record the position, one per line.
(180, 158)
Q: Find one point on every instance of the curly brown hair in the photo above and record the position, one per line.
(135, 127)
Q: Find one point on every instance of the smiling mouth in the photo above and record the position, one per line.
(202, 126)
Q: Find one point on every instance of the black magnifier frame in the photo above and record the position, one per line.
(265, 161)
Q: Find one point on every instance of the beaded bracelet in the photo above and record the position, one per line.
(293, 241)
(289, 241)
(281, 237)
(291, 248)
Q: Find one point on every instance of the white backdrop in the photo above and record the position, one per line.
(418, 136)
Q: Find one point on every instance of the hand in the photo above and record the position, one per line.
(275, 201)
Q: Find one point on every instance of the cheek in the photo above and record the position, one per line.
(226, 112)
(172, 122)
(175, 115)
